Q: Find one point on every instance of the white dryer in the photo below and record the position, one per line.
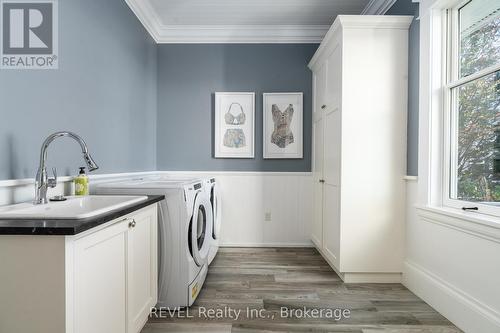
(185, 229)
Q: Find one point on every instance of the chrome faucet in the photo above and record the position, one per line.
(43, 182)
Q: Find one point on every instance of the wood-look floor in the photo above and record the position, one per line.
(294, 278)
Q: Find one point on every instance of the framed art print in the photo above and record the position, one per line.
(283, 129)
(234, 124)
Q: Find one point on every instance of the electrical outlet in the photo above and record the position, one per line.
(268, 217)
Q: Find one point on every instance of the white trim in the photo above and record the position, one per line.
(240, 33)
(146, 16)
(31, 181)
(410, 178)
(355, 22)
(377, 7)
(62, 179)
(479, 225)
(372, 277)
(273, 244)
(242, 173)
(164, 34)
(467, 312)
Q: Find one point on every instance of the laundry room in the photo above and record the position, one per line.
(249, 166)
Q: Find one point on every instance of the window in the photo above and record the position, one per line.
(472, 97)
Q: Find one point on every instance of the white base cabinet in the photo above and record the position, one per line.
(103, 280)
(359, 146)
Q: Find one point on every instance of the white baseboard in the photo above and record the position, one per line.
(372, 277)
(462, 309)
(266, 245)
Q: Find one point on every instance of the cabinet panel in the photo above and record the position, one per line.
(333, 89)
(100, 281)
(331, 224)
(320, 86)
(142, 270)
(332, 147)
(317, 224)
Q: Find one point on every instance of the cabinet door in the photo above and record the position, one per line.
(333, 90)
(142, 268)
(317, 224)
(331, 224)
(332, 149)
(100, 264)
(320, 86)
(331, 203)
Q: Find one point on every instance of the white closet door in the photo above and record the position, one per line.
(317, 167)
(331, 201)
(331, 224)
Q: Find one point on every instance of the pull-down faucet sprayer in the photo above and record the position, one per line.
(43, 182)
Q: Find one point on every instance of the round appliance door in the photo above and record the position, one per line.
(215, 200)
(200, 229)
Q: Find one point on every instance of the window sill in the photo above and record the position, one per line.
(476, 224)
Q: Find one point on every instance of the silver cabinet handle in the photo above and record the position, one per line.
(323, 106)
(321, 180)
(131, 224)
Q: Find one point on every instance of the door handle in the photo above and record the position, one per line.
(321, 180)
(131, 224)
(323, 106)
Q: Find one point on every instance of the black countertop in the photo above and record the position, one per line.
(69, 227)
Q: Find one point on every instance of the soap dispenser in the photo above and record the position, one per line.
(82, 183)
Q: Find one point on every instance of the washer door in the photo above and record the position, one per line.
(199, 229)
(215, 200)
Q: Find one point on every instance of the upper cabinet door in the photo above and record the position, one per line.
(333, 91)
(320, 87)
(142, 268)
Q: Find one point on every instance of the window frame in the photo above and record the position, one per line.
(451, 80)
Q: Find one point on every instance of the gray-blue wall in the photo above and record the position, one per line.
(104, 90)
(188, 77)
(407, 7)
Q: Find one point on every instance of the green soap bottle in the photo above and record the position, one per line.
(82, 183)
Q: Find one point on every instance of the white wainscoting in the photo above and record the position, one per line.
(455, 271)
(247, 197)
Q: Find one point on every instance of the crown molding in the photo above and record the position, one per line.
(377, 7)
(358, 22)
(241, 34)
(163, 34)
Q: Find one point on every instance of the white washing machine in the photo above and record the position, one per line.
(215, 199)
(185, 229)
(214, 196)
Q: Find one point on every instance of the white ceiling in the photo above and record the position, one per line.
(253, 12)
(246, 21)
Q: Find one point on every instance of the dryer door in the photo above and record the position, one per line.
(200, 229)
(215, 200)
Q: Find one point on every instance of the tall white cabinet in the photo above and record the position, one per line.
(359, 146)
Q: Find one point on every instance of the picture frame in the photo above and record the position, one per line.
(283, 134)
(234, 134)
